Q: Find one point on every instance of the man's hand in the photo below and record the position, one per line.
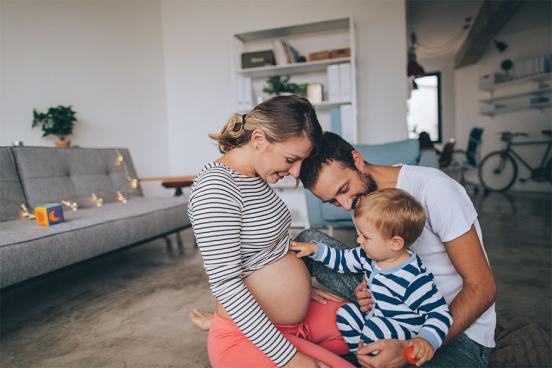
(364, 298)
(422, 350)
(390, 354)
(322, 296)
(303, 249)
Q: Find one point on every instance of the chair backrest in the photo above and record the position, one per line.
(473, 146)
(446, 155)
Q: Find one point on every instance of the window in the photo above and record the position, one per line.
(424, 107)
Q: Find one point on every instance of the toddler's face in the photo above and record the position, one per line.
(373, 243)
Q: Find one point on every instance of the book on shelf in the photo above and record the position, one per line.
(280, 52)
(339, 82)
(287, 51)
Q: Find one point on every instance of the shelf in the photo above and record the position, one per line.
(328, 25)
(505, 97)
(330, 104)
(296, 68)
(532, 78)
(515, 108)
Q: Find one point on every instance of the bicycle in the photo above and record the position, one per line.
(498, 170)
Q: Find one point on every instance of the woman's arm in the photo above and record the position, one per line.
(215, 212)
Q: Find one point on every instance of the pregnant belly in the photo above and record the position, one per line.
(282, 289)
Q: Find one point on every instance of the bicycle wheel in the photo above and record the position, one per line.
(497, 171)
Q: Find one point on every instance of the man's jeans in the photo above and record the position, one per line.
(460, 353)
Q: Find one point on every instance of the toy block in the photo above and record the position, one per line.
(49, 214)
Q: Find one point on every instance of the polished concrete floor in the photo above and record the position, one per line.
(129, 309)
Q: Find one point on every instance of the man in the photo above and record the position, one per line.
(450, 246)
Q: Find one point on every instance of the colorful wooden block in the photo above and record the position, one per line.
(49, 214)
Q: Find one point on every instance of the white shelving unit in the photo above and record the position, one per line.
(306, 38)
(518, 95)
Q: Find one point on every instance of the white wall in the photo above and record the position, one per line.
(104, 58)
(198, 65)
(155, 75)
(528, 34)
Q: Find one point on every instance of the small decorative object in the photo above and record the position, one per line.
(17, 143)
(507, 65)
(120, 159)
(340, 53)
(73, 206)
(25, 214)
(257, 58)
(97, 201)
(314, 92)
(121, 197)
(49, 214)
(58, 121)
(319, 55)
(277, 85)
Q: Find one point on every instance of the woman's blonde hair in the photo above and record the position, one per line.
(280, 118)
(393, 212)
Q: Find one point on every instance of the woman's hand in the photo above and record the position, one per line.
(322, 296)
(300, 360)
(364, 298)
(303, 249)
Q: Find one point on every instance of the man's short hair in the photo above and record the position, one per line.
(332, 148)
(393, 212)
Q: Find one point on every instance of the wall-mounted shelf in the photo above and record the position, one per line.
(540, 78)
(541, 91)
(518, 98)
(539, 106)
(289, 69)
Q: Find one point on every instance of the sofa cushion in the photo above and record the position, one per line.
(73, 174)
(28, 250)
(11, 193)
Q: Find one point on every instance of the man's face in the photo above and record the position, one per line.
(342, 186)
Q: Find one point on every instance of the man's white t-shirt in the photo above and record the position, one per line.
(450, 214)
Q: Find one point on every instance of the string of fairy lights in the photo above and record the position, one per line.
(95, 199)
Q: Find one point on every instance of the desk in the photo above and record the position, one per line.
(176, 182)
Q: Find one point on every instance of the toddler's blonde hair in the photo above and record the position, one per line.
(393, 212)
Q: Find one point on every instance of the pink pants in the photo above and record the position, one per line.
(317, 336)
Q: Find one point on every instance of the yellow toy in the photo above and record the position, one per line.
(49, 214)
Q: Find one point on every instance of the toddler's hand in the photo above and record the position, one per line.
(422, 350)
(303, 249)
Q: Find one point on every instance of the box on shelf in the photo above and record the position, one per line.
(488, 80)
(340, 53)
(319, 55)
(257, 58)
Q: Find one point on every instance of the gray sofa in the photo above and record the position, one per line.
(39, 175)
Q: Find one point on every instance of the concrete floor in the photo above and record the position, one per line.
(129, 309)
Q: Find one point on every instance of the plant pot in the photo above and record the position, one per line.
(63, 143)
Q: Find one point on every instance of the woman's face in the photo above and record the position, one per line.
(277, 160)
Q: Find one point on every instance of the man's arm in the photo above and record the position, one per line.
(479, 290)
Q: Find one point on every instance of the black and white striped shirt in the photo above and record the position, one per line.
(241, 225)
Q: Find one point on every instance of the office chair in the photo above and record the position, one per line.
(467, 160)
(445, 159)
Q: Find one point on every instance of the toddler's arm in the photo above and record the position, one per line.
(342, 261)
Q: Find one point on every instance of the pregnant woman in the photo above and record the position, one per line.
(263, 316)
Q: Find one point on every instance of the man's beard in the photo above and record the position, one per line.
(369, 186)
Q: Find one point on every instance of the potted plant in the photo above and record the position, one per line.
(277, 85)
(58, 121)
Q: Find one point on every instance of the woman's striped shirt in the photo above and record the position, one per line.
(241, 225)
